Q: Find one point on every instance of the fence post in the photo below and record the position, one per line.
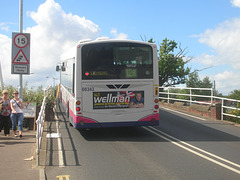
(37, 136)
(211, 96)
(222, 109)
(168, 96)
(190, 96)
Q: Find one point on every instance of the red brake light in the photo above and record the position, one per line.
(78, 108)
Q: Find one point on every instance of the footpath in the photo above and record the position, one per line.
(17, 156)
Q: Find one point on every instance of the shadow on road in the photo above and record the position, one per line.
(134, 134)
(172, 124)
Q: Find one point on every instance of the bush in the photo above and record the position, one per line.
(51, 98)
(234, 112)
(29, 95)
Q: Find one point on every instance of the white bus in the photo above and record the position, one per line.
(110, 83)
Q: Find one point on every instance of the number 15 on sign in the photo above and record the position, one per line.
(21, 40)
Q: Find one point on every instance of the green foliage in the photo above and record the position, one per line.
(51, 97)
(151, 40)
(29, 95)
(234, 112)
(235, 94)
(171, 66)
(183, 91)
(206, 83)
(33, 95)
(194, 81)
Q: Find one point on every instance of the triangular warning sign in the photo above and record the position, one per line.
(20, 58)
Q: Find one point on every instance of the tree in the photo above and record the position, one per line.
(235, 94)
(206, 83)
(194, 81)
(171, 66)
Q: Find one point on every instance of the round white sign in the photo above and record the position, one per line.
(21, 41)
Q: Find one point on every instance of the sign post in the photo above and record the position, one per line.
(21, 40)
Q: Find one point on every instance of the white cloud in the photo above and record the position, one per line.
(224, 42)
(5, 58)
(54, 33)
(4, 26)
(227, 81)
(206, 59)
(235, 3)
(118, 36)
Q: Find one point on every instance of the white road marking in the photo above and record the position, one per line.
(184, 114)
(181, 144)
(60, 149)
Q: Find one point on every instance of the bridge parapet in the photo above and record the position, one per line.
(207, 111)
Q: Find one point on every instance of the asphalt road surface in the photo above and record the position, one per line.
(181, 147)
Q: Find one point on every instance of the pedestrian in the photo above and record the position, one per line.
(17, 114)
(5, 113)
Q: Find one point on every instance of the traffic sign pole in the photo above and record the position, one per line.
(20, 51)
(21, 30)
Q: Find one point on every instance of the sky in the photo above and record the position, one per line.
(209, 29)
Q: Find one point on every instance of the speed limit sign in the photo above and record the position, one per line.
(21, 40)
(20, 53)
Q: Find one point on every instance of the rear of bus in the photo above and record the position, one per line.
(117, 84)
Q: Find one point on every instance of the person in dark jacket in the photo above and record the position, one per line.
(5, 113)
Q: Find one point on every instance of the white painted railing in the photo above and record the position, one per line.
(40, 124)
(226, 104)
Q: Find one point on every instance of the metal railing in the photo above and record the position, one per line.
(40, 124)
(226, 104)
(190, 95)
(230, 102)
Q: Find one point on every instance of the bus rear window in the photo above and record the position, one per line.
(117, 61)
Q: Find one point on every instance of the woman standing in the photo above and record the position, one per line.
(17, 114)
(5, 113)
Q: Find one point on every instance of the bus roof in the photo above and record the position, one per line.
(106, 39)
(71, 52)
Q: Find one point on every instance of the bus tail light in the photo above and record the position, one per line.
(78, 103)
(156, 100)
(156, 106)
(78, 108)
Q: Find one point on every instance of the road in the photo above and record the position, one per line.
(181, 147)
